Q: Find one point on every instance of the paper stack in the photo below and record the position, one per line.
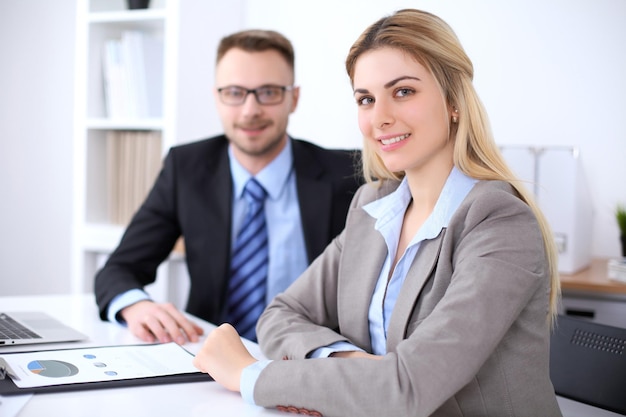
(617, 269)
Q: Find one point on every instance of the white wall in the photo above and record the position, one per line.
(550, 72)
(36, 90)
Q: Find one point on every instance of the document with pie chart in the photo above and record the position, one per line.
(97, 364)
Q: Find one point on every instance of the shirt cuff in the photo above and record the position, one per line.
(249, 376)
(326, 351)
(122, 301)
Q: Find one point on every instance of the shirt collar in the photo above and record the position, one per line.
(273, 177)
(386, 209)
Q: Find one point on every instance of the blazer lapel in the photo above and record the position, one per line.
(364, 253)
(424, 263)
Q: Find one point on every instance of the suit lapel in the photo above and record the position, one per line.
(364, 253)
(216, 220)
(418, 274)
(314, 198)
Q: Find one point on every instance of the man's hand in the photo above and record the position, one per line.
(153, 322)
(224, 356)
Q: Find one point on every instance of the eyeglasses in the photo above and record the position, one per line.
(234, 95)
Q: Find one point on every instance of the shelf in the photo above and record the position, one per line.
(123, 16)
(98, 123)
(104, 238)
(186, 28)
(101, 237)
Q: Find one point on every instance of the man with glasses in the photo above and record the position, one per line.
(199, 195)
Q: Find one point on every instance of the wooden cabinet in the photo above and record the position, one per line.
(590, 294)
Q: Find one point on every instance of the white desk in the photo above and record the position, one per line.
(197, 399)
(180, 400)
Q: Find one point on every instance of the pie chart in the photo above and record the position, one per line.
(52, 368)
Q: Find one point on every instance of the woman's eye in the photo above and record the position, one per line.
(404, 92)
(361, 101)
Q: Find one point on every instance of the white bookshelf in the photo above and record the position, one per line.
(189, 30)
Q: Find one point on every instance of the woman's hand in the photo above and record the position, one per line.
(224, 356)
(354, 354)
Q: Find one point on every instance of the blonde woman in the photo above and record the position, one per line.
(437, 298)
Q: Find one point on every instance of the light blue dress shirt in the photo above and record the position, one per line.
(287, 250)
(389, 214)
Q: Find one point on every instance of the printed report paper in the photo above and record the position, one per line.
(96, 364)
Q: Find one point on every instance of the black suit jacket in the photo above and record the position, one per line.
(192, 197)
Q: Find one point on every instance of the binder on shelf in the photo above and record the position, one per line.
(133, 76)
(555, 176)
(133, 162)
(113, 78)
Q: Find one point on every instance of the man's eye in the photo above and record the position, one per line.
(268, 92)
(234, 92)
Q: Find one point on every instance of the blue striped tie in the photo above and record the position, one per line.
(248, 266)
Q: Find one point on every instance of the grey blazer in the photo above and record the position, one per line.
(468, 336)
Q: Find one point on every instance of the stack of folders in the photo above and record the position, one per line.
(133, 162)
(617, 269)
(133, 76)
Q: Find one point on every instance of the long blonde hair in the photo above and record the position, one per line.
(432, 43)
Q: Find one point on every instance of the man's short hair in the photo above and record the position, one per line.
(257, 40)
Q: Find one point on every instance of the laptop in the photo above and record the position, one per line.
(34, 327)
